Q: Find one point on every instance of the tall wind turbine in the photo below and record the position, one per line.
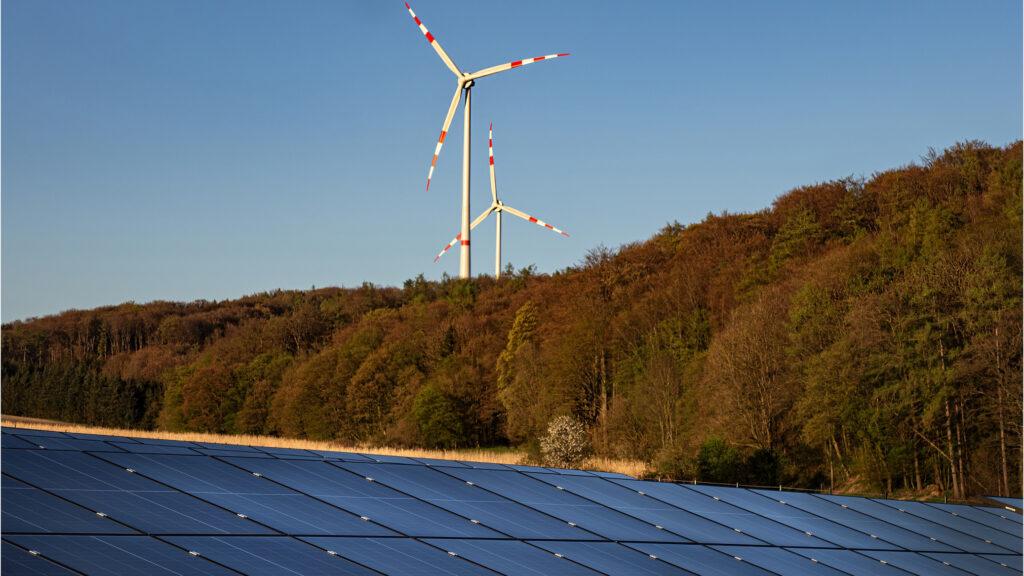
(497, 207)
(465, 83)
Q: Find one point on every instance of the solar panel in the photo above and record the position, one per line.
(468, 501)
(123, 496)
(974, 564)
(650, 510)
(399, 556)
(942, 534)
(572, 509)
(1016, 503)
(118, 555)
(1004, 523)
(112, 505)
(29, 510)
(512, 557)
(34, 432)
(916, 563)
(268, 556)
(849, 561)
(859, 521)
(724, 513)
(253, 497)
(956, 522)
(372, 500)
(10, 441)
(700, 559)
(14, 560)
(801, 520)
(778, 560)
(610, 558)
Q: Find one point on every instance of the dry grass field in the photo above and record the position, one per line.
(634, 468)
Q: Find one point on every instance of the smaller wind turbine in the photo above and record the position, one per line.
(497, 207)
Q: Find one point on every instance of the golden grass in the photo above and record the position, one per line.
(633, 468)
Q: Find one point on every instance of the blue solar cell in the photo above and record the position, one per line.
(268, 556)
(959, 523)
(1007, 560)
(941, 534)
(915, 563)
(11, 441)
(982, 515)
(610, 558)
(103, 487)
(849, 561)
(648, 509)
(700, 560)
(772, 508)
(118, 555)
(512, 557)
(974, 564)
(165, 442)
(724, 513)
(778, 560)
(399, 556)
(15, 561)
(28, 510)
(858, 521)
(569, 507)
(468, 501)
(243, 493)
(525, 468)
(140, 448)
(367, 499)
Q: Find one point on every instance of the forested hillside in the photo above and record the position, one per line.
(856, 331)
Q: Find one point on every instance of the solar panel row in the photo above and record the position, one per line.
(113, 505)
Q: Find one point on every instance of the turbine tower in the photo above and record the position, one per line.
(497, 207)
(465, 83)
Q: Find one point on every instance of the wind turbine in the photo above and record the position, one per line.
(465, 83)
(498, 207)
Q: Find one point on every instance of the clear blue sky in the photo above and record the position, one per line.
(169, 150)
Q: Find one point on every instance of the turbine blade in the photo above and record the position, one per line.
(444, 132)
(433, 42)
(478, 220)
(511, 65)
(529, 218)
(490, 151)
(450, 244)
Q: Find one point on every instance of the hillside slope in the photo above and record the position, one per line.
(866, 329)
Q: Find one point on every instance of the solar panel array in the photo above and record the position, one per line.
(86, 504)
